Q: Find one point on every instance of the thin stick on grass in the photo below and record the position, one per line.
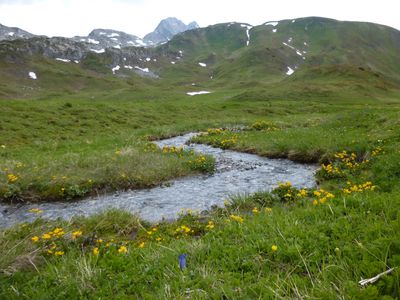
(364, 282)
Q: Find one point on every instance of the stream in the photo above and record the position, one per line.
(236, 173)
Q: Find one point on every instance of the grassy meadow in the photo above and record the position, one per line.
(290, 243)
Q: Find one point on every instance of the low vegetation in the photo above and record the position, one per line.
(290, 243)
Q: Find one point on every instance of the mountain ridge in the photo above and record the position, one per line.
(110, 38)
(324, 53)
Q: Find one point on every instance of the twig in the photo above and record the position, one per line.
(363, 282)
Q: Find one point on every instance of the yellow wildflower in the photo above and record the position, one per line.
(268, 209)
(255, 210)
(141, 245)
(210, 225)
(35, 239)
(12, 178)
(158, 239)
(99, 241)
(302, 193)
(95, 251)
(57, 232)
(76, 234)
(316, 193)
(274, 248)
(237, 218)
(46, 236)
(122, 249)
(59, 253)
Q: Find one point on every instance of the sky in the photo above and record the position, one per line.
(139, 17)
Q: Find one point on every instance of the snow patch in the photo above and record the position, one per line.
(274, 30)
(293, 21)
(32, 75)
(154, 59)
(116, 68)
(102, 33)
(273, 23)
(142, 69)
(98, 51)
(290, 40)
(305, 44)
(83, 40)
(148, 59)
(76, 61)
(172, 62)
(197, 93)
(140, 42)
(291, 47)
(290, 71)
(63, 60)
(114, 39)
(91, 41)
(248, 27)
(202, 64)
(11, 33)
(114, 34)
(128, 67)
(298, 52)
(117, 47)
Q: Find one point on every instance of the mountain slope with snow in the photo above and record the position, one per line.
(13, 33)
(312, 55)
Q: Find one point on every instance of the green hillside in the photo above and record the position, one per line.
(361, 58)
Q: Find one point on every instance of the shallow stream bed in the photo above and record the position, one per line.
(236, 173)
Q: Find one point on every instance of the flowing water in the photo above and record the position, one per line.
(236, 173)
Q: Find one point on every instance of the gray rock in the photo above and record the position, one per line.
(13, 33)
(166, 30)
(100, 39)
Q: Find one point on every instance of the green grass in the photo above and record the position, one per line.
(323, 250)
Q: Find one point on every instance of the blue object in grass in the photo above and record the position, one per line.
(182, 261)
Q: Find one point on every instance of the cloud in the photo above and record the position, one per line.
(18, 2)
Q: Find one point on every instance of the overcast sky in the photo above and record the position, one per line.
(79, 17)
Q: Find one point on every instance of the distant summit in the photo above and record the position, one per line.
(101, 39)
(13, 33)
(166, 30)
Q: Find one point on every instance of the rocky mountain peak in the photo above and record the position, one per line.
(100, 39)
(13, 33)
(166, 29)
